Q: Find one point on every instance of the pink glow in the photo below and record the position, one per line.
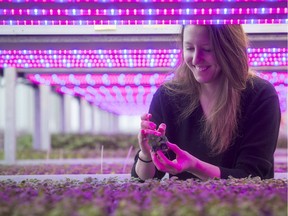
(136, 79)
(130, 93)
(146, 1)
(144, 22)
(142, 12)
(148, 58)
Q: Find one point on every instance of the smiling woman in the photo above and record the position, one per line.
(220, 118)
(199, 56)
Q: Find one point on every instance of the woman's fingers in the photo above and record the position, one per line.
(163, 164)
(146, 123)
(162, 128)
(146, 116)
(157, 162)
(164, 159)
(173, 147)
(143, 137)
(147, 132)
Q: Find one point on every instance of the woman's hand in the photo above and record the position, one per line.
(183, 161)
(148, 127)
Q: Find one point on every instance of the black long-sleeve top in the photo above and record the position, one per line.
(252, 150)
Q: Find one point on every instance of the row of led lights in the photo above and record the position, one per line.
(144, 12)
(110, 94)
(88, 64)
(144, 1)
(118, 57)
(119, 100)
(116, 99)
(120, 51)
(144, 22)
(123, 79)
(92, 56)
(105, 52)
(100, 79)
(42, 63)
(121, 58)
(118, 93)
(48, 58)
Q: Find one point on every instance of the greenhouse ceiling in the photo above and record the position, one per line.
(116, 53)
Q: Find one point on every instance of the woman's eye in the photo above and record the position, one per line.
(207, 50)
(189, 48)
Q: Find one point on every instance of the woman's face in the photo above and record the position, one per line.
(199, 54)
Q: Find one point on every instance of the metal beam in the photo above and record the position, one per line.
(94, 70)
(122, 30)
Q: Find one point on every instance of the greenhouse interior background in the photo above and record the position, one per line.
(76, 76)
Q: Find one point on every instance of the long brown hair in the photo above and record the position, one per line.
(230, 46)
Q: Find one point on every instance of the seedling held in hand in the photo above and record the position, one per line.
(158, 143)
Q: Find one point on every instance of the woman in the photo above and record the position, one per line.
(219, 118)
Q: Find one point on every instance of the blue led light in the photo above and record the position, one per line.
(112, 11)
(263, 10)
(121, 79)
(141, 90)
(172, 64)
(276, 63)
(150, 11)
(105, 79)
(137, 79)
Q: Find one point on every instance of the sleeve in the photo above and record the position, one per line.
(155, 109)
(255, 152)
